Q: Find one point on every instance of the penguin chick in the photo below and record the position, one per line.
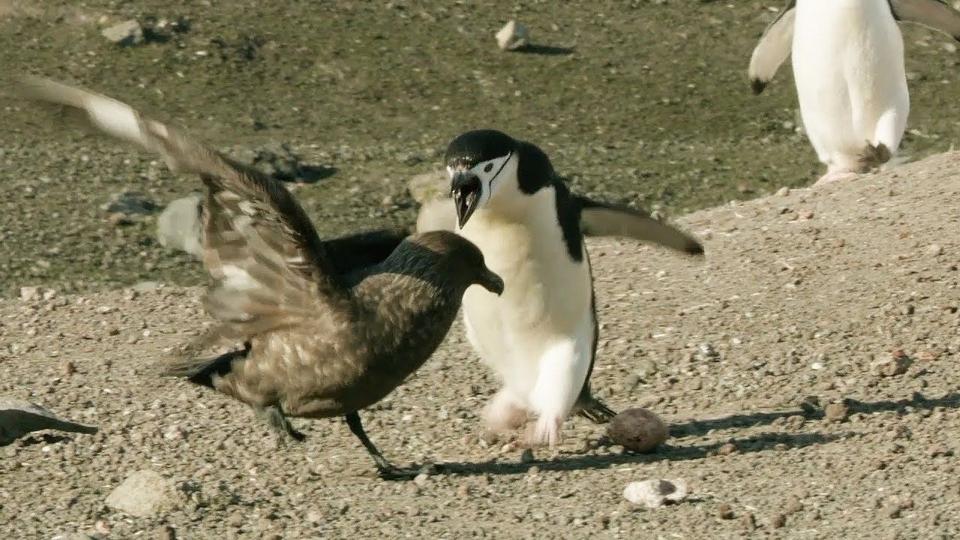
(319, 343)
(849, 71)
(540, 336)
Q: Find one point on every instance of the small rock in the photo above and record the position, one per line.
(934, 250)
(655, 493)
(282, 163)
(167, 532)
(179, 226)
(527, 456)
(124, 34)
(638, 430)
(128, 206)
(939, 450)
(778, 521)
(707, 352)
(724, 511)
(783, 192)
(892, 510)
(101, 527)
(727, 449)
(836, 412)
(793, 506)
(421, 479)
(143, 493)
(748, 522)
(18, 417)
(174, 433)
(145, 286)
(29, 294)
(513, 36)
(68, 367)
(897, 364)
(805, 214)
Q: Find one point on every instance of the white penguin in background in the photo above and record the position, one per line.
(849, 71)
(540, 337)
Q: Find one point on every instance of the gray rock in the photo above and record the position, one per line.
(143, 493)
(179, 227)
(18, 417)
(124, 34)
(129, 206)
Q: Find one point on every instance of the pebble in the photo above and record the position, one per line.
(934, 250)
(125, 34)
(896, 364)
(724, 511)
(527, 456)
(793, 506)
(727, 449)
(778, 521)
(421, 479)
(29, 294)
(748, 521)
(836, 412)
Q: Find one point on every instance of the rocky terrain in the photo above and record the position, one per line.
(644, 102)
(807, 369)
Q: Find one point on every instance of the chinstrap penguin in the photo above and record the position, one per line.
(328, 328)
(540, 336)
(849, 71)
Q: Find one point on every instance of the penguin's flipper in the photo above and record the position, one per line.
(773, 48)
(930, 13)
(600, 219)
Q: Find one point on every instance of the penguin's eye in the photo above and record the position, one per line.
(488, 168)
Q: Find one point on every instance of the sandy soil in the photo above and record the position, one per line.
(773, 362)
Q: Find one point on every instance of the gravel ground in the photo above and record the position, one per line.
(644, 102)
(807, 370)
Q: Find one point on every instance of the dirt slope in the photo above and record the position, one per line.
(651, 107)
(802, 294)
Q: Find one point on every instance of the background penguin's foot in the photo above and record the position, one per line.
(595, 410)
(836, 176)
(873, 157)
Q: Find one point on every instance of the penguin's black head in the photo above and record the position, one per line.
(477, 161)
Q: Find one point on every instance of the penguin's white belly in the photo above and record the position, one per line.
(543, 320)
(849, 71)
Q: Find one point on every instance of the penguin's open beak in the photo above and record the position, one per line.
(491, 282)
(465, 187)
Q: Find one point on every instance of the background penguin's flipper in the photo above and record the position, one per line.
(599, 219)
(773, 49)
(930, 13)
